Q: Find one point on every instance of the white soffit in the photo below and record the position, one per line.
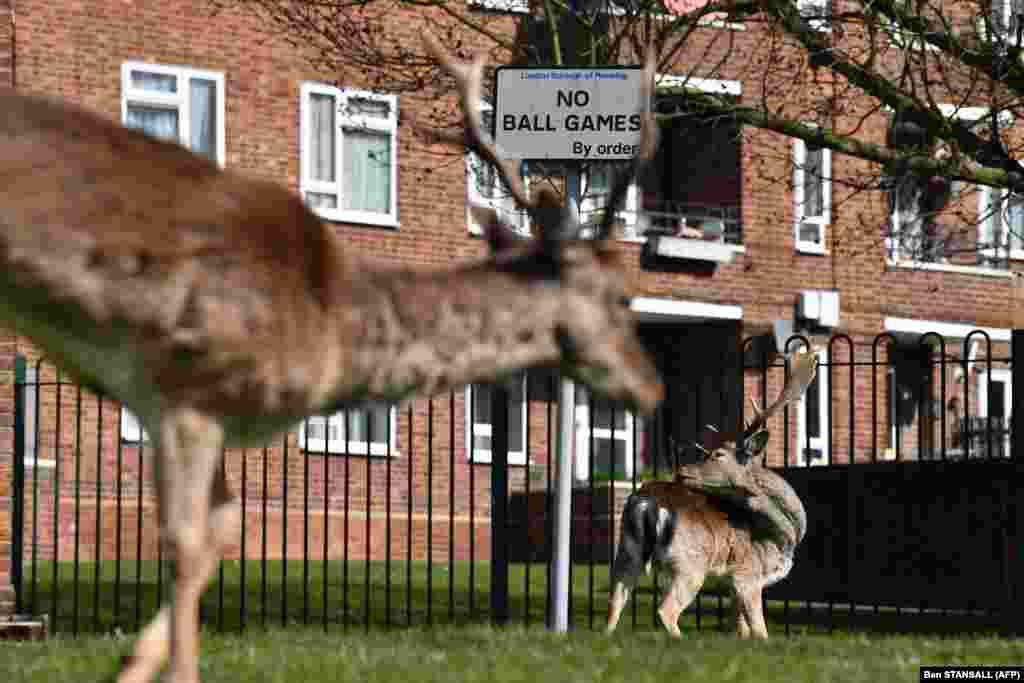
(651, 309)
(947, 330)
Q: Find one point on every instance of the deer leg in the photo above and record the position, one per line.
(680, 594)
(188, 455)
(751, 612)
(742, 625)
(619, 598)
(153, 643)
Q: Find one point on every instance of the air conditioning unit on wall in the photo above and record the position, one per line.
(821, 308)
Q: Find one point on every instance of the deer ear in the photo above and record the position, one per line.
(497, 233)
(756, 443)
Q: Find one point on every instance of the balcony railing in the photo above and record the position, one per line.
(722, 224)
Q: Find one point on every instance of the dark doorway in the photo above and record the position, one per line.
(700, 364)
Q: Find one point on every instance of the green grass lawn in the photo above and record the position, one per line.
(492, 655)
(404, 595)
(461, 646)
(279, 593)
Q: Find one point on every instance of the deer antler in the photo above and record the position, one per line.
(468, 82)
(546, 209)
(803, 365)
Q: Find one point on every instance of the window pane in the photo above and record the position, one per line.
(369, 425)
(322, 132)
(161, 123)
(369, 108)
(813, 411)
(481, 404)
(1015, 222)
(367, 169)
(203, 117)
(810, 232)
(144, 80)
(481, 396)
(814, 204)
(997, 399)
(319, 200)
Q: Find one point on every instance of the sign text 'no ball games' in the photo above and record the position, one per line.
(578, 113)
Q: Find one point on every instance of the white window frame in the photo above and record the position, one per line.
(320, 446)
(343, 120)
(1004, 375)
(581, 422)
(179, 100)
(825, 219)
(500, 198)
(514, 6)
(476, 428)
(819, 443)
(29, 396)
(992, 218)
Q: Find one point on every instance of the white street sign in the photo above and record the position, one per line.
(567, 113)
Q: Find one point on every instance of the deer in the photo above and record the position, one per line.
(727, 515)
(221, 311)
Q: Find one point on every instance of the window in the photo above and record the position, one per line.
(503, 5)
(693, 188)
(817, 13)
(595, 186)
(991, 438)
(915, 204)
(348, 153)
(611, 449)
(361, 431)
(30, 423)
(812, 418)
(914, 234)
(131, 428)
(910, 393)
(1007, 16)
(812, 196)
(478, 418)
(484, 187)
(1000, 226)
(176, 103)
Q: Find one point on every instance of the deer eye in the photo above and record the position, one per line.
(625, 301)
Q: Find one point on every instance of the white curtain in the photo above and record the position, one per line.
(157, 121)
(321, 163)
(360, 428)
(814, 199)
(161, 123)
(203, 117)
(367, 170)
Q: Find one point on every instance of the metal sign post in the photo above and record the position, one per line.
(570, 115)
(562, 537)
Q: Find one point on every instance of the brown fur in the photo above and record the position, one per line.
(220, 310)
(712, 536)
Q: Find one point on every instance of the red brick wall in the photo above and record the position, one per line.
(76, 51)
(6, 354)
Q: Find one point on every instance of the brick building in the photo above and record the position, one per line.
(720, 250)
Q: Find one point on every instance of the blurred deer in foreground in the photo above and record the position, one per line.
(726, 516)
(221, 311)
